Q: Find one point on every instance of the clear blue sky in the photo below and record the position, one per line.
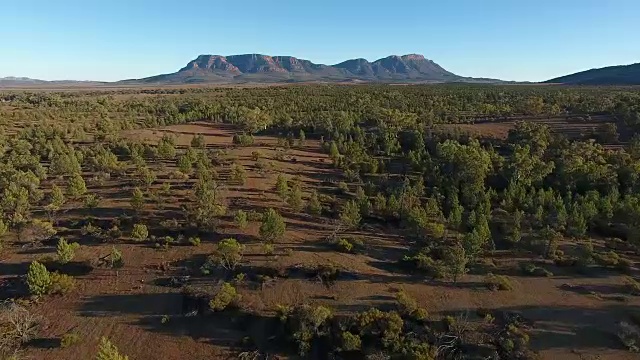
(506, 39)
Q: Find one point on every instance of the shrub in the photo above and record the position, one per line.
(115, 259)
(194, 240)
(18, 326)
(273, 226)
(108, 351)
(69, 339)
(531, 269)
(38, 279)
(629, 335)
(226, 296)
(497, 282)
(405, 303)
(243, 139)
(350, 342)
(65, 251)
(383, 328)
(295, 197)
(140, 232)
(343, 245)
(343, 187)
(61, 283)
(241, 219)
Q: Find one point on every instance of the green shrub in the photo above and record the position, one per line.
(226, 296)
(343, 245)
(194, 240)
(629, 335)
(405, 303)
(350, 342)
(69, 339)
(38, 279)
(108, 351)
(497, 282)
(531, 269)
(140, 232)
(65, 251)
(61, 283)
(241, 219)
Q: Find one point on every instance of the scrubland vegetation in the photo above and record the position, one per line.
(323, 222)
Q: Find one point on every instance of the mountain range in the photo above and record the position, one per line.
(258, 68)
(264, 68)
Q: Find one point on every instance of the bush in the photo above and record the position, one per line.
(243, 139)
(343, 245)
(350, 342)
(497, 282)
(18, 326)
(228, 253)
(69, 339)
(108, 351)
(61, 283)
(314, 207)
(194, 240)
(629, 335)
(226, 296)
(140, 232)
(531, 269)
(38, 279)
(65, 251)
(241, 219)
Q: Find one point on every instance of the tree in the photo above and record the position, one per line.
(66, 251)
(241, 219)
(238, 174)
(228, 253)
(456, 259)
(282, 186)
(108, 351)
(184, 164)
(350, 214)
(314, 206)
(272, 227)
(301, 138)
(137, 200)
(295, 197)
(334, 153)
(55, 202)
(198, 141)
(76, 186)
(38, 279)
(140, 232)
(166, 147)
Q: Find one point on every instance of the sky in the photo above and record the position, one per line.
(524, 40)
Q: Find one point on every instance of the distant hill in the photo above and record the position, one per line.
(250, 68)
(12, 81)
(610, 75)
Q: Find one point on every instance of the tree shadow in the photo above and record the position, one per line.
(556, 327)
